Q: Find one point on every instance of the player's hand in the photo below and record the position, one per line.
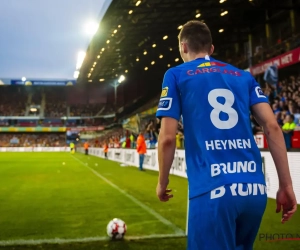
(163, 193)
(286, 201)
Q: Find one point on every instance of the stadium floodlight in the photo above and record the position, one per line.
(224, 13)
(121, 79)
(23, 79)
(80, 59)
(76, 74)
(115, 84)
(91, 27)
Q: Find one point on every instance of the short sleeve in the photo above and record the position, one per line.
(256, 93)
(169, 104)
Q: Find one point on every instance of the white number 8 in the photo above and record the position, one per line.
(219, 107)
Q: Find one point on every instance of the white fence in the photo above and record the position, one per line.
(131, 158)
(34, 149)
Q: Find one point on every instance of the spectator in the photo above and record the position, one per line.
(288, 130)
(141, 149)
(157, 128)
(105, 150)
(86, 148)
(132, 140)
(179, 137)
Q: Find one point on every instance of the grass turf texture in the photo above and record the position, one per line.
(40, 198)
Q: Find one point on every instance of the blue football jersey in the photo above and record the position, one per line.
(214, 100)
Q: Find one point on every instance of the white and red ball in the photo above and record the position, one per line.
(116, 229)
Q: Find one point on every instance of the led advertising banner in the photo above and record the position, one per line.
(44, 82)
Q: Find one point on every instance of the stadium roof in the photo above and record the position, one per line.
(139, 38)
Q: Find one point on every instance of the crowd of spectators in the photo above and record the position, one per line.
(285, 102)
(85, 109)
(32, 140)
(122, 138)
(55, 109)
(285, 99)
(56, 105)
(12, 101)
(36, 97)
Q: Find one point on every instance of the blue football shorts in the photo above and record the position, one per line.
(226, 218)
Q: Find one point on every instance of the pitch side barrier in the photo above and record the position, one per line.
(131, 158)
(34, 149)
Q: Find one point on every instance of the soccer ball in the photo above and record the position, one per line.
(116, 229)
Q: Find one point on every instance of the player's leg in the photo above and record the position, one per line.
(142, 156)
(249, 220)
(212, 221)
(142, 163)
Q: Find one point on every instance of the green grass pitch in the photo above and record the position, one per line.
(42, 199)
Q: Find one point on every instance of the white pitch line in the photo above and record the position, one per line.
(176, 229)
(82, 240)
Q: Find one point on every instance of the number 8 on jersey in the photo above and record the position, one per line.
(219, 107)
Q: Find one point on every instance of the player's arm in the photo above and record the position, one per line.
(169, 110)
(285, 199)
(166, 148)
(265, 117)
